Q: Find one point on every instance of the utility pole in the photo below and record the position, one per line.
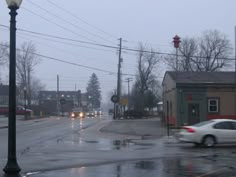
(58, 109)
(235, 68)
(117, 110)
(128, 80)
(74, 100)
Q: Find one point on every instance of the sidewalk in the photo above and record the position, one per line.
(151, 128)
(19, 118)
(3, 122)
(138, 127)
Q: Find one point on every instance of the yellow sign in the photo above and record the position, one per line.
(124, 101)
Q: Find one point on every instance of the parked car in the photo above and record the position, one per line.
(209, 133)
(20, 110)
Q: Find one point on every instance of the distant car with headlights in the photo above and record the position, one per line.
(98, 112)
(209, 133)
(90, 114)
(77, 113)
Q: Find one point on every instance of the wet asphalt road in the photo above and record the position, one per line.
(217, 162)
(165, 167)
(62, 147)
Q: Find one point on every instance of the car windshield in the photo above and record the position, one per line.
(203, 123)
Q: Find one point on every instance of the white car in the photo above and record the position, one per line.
(209, 133)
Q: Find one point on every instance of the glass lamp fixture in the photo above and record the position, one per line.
(14, 3)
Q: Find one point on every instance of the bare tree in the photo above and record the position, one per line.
(36, 87)
(214, 49)
(147, 63)
(208, 53)
(4, 54)
(156, 89)
(26, 61)
(188, 49)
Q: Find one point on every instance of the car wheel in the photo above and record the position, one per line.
(209, 141)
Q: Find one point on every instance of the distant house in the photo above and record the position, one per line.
(49, 101)
(4, 90)
(4, 93)
(160, 108)
(191, 97)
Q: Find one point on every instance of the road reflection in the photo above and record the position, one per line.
(81, 124)
(165, 167)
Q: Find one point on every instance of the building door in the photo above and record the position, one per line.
(193, 113)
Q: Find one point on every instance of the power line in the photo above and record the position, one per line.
(170, 54)
(68, 22)
(22, 32)
(71, 44)
(115, 47)
(80, 19)
(67, 62)
(58, 25)
(149, 43)
(63, 38)
(86, 42)
(63, 43)
(67, 52)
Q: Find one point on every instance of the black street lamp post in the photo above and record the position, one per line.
(12, 166)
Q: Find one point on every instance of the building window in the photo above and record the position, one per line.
(213, 105)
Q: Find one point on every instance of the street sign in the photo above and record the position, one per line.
(124, 101)
(115, 99)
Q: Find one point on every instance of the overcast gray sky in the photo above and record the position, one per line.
(153, 22)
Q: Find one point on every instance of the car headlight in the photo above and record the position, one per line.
(72, 114)
(81, 114)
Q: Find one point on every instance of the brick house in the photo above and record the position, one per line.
(191, 97)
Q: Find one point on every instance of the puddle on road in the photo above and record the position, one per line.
(166, 167)
(92, 141)
(106, 144)
(120, 144)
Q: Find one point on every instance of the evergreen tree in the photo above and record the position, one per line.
(94, 92)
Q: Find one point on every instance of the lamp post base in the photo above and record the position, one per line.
(12, 168)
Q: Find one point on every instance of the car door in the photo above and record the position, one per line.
(224, 131)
